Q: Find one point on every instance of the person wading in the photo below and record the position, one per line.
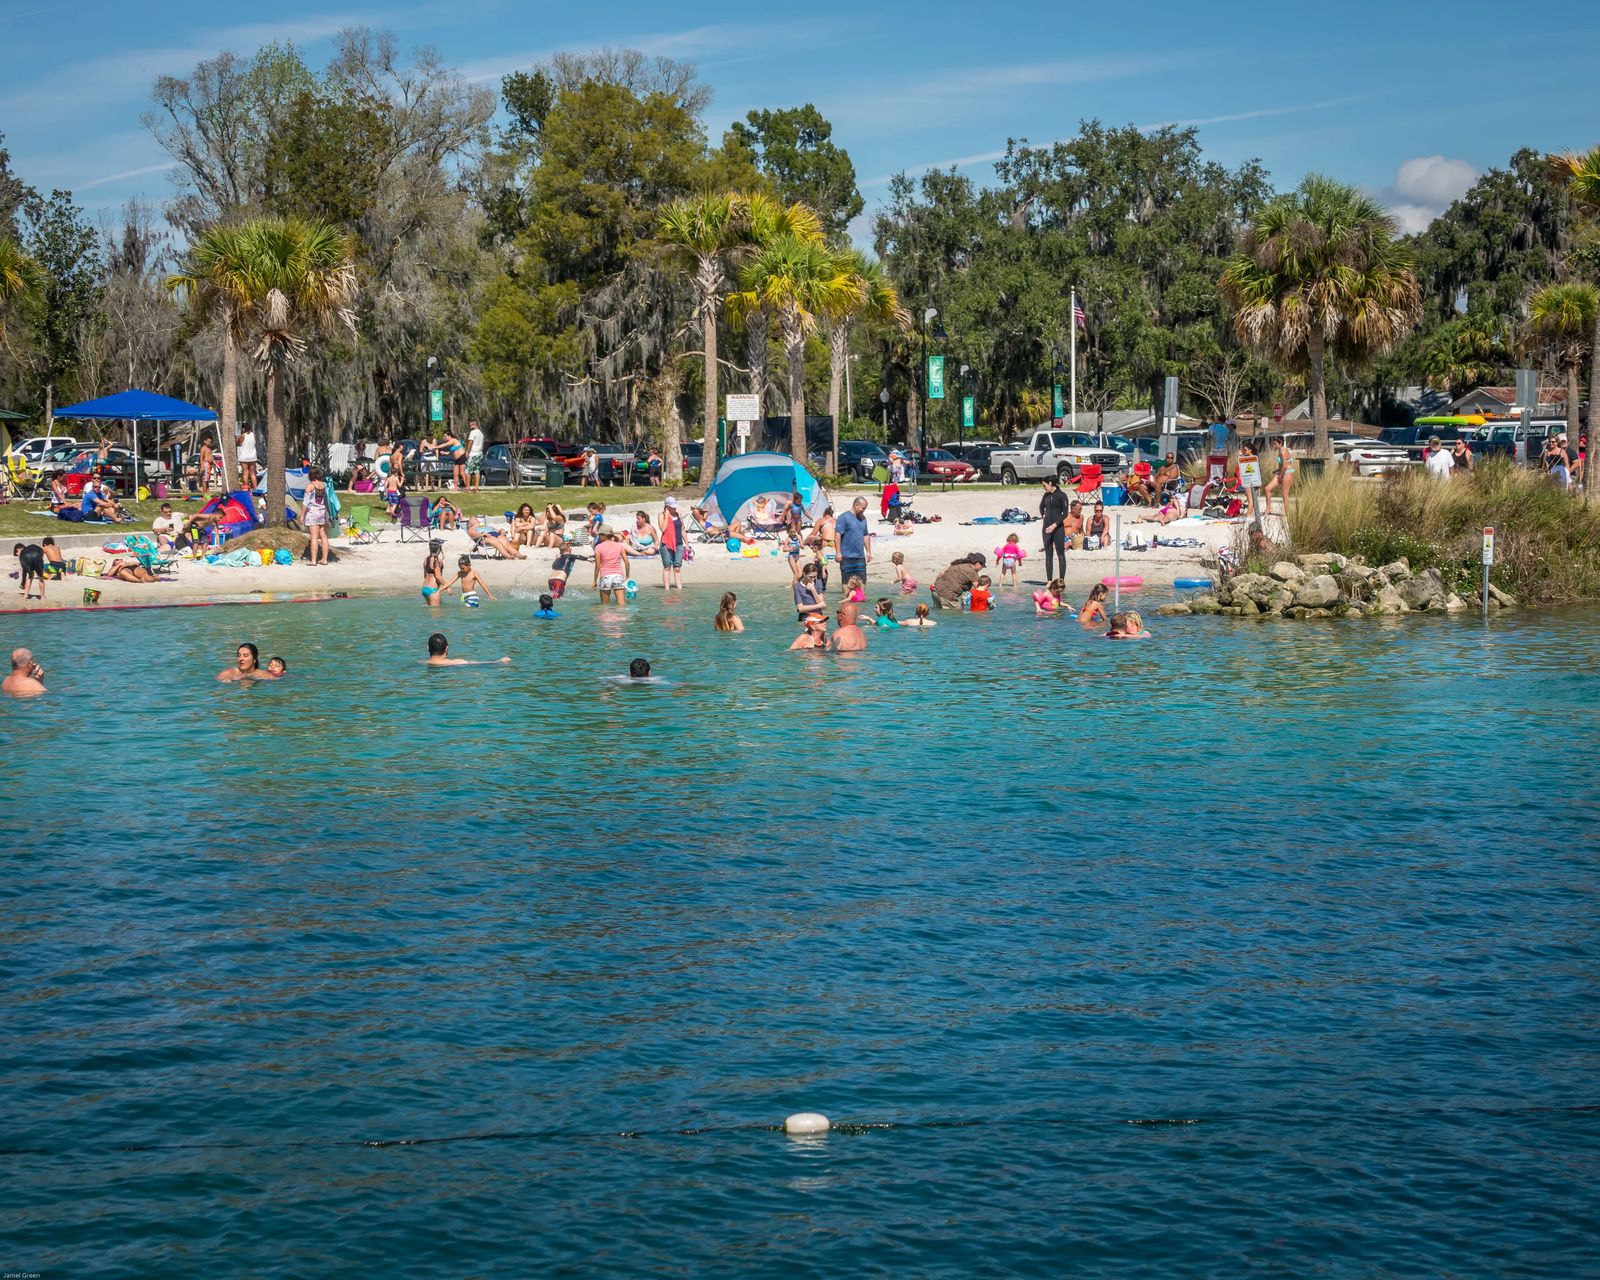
(1053, 512)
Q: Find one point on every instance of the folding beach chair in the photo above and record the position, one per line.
(412, 511)
(701, 532)
(361, 531)
(142, 549)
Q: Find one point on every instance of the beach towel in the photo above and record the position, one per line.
(235, 559)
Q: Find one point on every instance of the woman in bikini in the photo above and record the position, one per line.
(432, 576)
(555, 523)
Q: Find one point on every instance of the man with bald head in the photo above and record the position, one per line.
(26, 678)
(847, 636)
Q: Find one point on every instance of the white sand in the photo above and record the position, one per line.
(393, 568)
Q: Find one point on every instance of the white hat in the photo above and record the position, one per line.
(673, 503)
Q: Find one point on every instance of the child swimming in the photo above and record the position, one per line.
(886, 618)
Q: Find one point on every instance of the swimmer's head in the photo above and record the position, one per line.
(277, 665)
(638, 668)
(437, 645)
(547, 602)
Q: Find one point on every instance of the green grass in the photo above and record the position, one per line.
(1547, 544)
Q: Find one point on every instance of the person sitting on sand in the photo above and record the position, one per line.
(525, 527)
(641, 539)
(439, 655)
(922, 620)
(444, 514)
(848, 637)
(468, 579)
(1094, 608)
(246, 667)
(814, 638)
(27, 676)
(555, 525)
(483, 536)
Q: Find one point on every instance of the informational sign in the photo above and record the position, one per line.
(436, 405)
(1488, 545)
(743, 431)
(936, 377)
(1058, 405)
(744, 408)
(1216, 466)
(969, 411)
(1250, 472)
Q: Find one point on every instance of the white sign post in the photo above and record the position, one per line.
(1488, 559)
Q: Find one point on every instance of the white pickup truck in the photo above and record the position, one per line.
(1052, 452)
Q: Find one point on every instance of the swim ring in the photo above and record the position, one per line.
(631, 587)
(1184, 583)
(1126, 580)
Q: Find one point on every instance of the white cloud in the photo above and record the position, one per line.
(1434, 180)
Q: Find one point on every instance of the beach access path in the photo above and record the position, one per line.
(390, 567)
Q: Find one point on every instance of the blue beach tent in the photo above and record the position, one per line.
(134, 407)
(748, 476)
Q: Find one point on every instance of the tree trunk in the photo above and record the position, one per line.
(49, 408)
(276, 444)
(913, 422)
(1572, 401)
(838, 353)
(755, 353)
(228, 411)
(1317, 389)
(1594, 392)
(794, 344)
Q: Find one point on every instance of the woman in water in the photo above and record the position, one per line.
(432, 575)
(727, 619)
(1094, 608)
(247, 667)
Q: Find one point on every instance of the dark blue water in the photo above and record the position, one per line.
(1250, 950)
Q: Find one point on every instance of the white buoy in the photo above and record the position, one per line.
(804, 1122)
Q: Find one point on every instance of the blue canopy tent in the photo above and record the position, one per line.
(748, 476)
(134, 407)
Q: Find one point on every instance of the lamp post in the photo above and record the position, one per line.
(883, 399)
(928, 314)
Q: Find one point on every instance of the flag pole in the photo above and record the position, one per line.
(1072, 323)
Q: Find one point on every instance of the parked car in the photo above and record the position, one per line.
(976, 452)
(1147, 449)
(34, 448)
(1062, 454)
(861, 457)
(944, 465)
(1368, 456)
(498, 462)
(1414, 439)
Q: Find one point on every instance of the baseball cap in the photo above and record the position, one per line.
(672, 502)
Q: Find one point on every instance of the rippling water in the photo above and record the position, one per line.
(1254, 949)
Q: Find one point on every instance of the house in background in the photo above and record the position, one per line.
(1486, 400)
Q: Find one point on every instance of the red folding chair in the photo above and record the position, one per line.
(1089, 478)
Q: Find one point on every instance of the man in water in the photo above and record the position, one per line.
(847, 636)
(26, 678)
(638, 669)
(854, 540)
(439, 654)
(247, 666)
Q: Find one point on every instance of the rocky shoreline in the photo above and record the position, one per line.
(1331, 586)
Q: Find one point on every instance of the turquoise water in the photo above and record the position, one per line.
(1253, 949)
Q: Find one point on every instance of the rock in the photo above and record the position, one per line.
(1396, 571)
(1389, 600)
(1504, 599)
(1276, 601)
(1320, 592)
(1231, 611)
(1247, 607)
(1242, 586)
(1317, 563)
(1423, 591)
(1204, 604)
(1285, 571)
(1454, 603)
(1174, 610)
(1354, 609)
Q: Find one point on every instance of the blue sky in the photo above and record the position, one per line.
(1408, 100)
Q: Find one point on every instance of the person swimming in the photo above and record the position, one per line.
(547, 607)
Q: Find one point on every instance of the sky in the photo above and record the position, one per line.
(1408, 100)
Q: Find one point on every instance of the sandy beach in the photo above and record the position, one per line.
(390, 567)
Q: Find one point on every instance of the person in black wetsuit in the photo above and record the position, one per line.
(1053, 512)
(30, 559)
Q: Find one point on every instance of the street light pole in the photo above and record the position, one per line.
(883, 399)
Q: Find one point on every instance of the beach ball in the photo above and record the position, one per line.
(631, 587)
(470, 599)
(735, 546)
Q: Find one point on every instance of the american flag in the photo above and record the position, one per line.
(1078, 318)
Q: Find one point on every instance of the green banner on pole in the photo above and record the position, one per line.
(969, 411)
(436, 405)
(936, 377)
(1059, 403)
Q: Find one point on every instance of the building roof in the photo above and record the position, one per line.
(1507, 396)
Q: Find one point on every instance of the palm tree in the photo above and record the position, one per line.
(876, 303)
(216, 279)
(798, 280)
(1561, 318)
(1462, 354)
(1321, 273)
(19, 275)
(297, 277)
(702, 232)
(1580, 171)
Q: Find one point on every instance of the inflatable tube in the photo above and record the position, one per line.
(1186, 583)
(1126, 580)
(631, 587)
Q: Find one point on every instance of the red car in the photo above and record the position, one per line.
(946, 466)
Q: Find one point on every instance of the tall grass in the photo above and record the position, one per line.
(1547, 545)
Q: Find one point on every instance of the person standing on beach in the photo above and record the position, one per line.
(246, 442)
(314, 515)
(672, 541)
(1053, 511)
(855, 542)
(474, 456)
(27, 676)
(208, 461)
(30, 566)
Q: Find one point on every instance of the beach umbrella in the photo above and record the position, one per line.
(135, 407)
